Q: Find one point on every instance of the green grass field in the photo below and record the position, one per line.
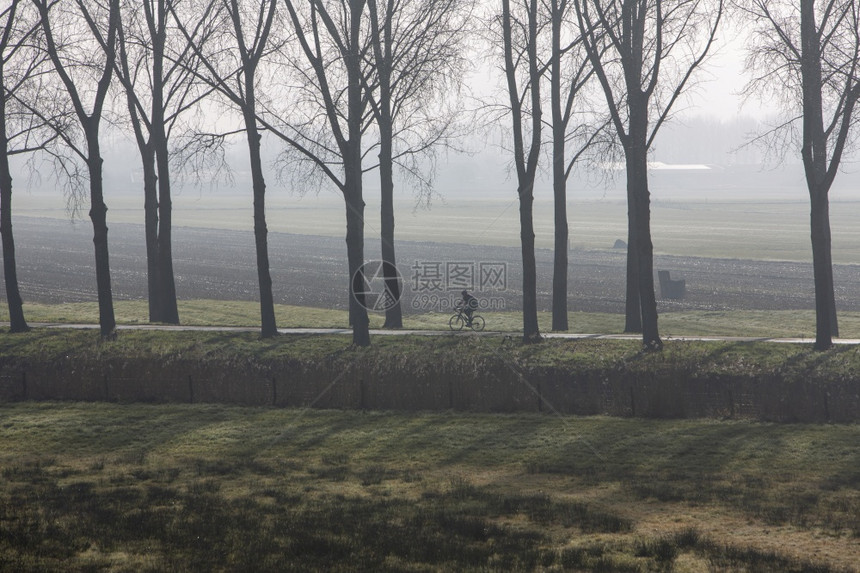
(89, 487)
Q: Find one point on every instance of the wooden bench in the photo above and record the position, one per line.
(674, 289)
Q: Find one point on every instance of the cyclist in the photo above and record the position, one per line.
(469, 304)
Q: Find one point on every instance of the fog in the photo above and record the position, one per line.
(694, 159)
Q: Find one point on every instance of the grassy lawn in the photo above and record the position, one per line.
(750, 359)
(89, 487)
(791, 323)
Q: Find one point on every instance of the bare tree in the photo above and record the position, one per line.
(333, 47)
(644, 53)
(569, 71)
(418, 55)
(21, 132)
(809, 57)
(80, 39)
(229, 66)
(520, 28)
(153, 69)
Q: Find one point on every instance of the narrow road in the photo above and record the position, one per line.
(375, 332)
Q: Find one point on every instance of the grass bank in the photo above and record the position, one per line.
(759, 380)
(210, 487)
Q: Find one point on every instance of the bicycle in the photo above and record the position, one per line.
(459, 320)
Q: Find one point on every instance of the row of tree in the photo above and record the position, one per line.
(351, 86)
(317, 75)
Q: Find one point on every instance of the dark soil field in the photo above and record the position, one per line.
(55, 262)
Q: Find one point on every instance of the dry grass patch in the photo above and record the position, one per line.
(94, 486)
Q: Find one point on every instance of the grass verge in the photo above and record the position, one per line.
(199, 488)
(758, 380)
(735, 358)
(747, 323)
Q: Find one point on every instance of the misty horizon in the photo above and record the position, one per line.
(734, 170)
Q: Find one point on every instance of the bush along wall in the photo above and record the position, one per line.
(761, 381)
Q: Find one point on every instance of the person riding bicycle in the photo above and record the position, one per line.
(469, 304)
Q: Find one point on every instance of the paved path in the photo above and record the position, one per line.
(405, 332)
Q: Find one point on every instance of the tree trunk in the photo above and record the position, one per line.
(639, 256)
(559, 181)
(10, 272)
(814, 153)
(98, 216)
(355, 259)
(560, 259)
(146, 150)
(352, 184)
(393, 313)
(826, 326)
(150, 209)
(531, 332)
(647, 297)
(261, 231)
(642, 248)
(632, 305)
(382, 40)
(636, 158)
(526, 165)
(169, 312)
